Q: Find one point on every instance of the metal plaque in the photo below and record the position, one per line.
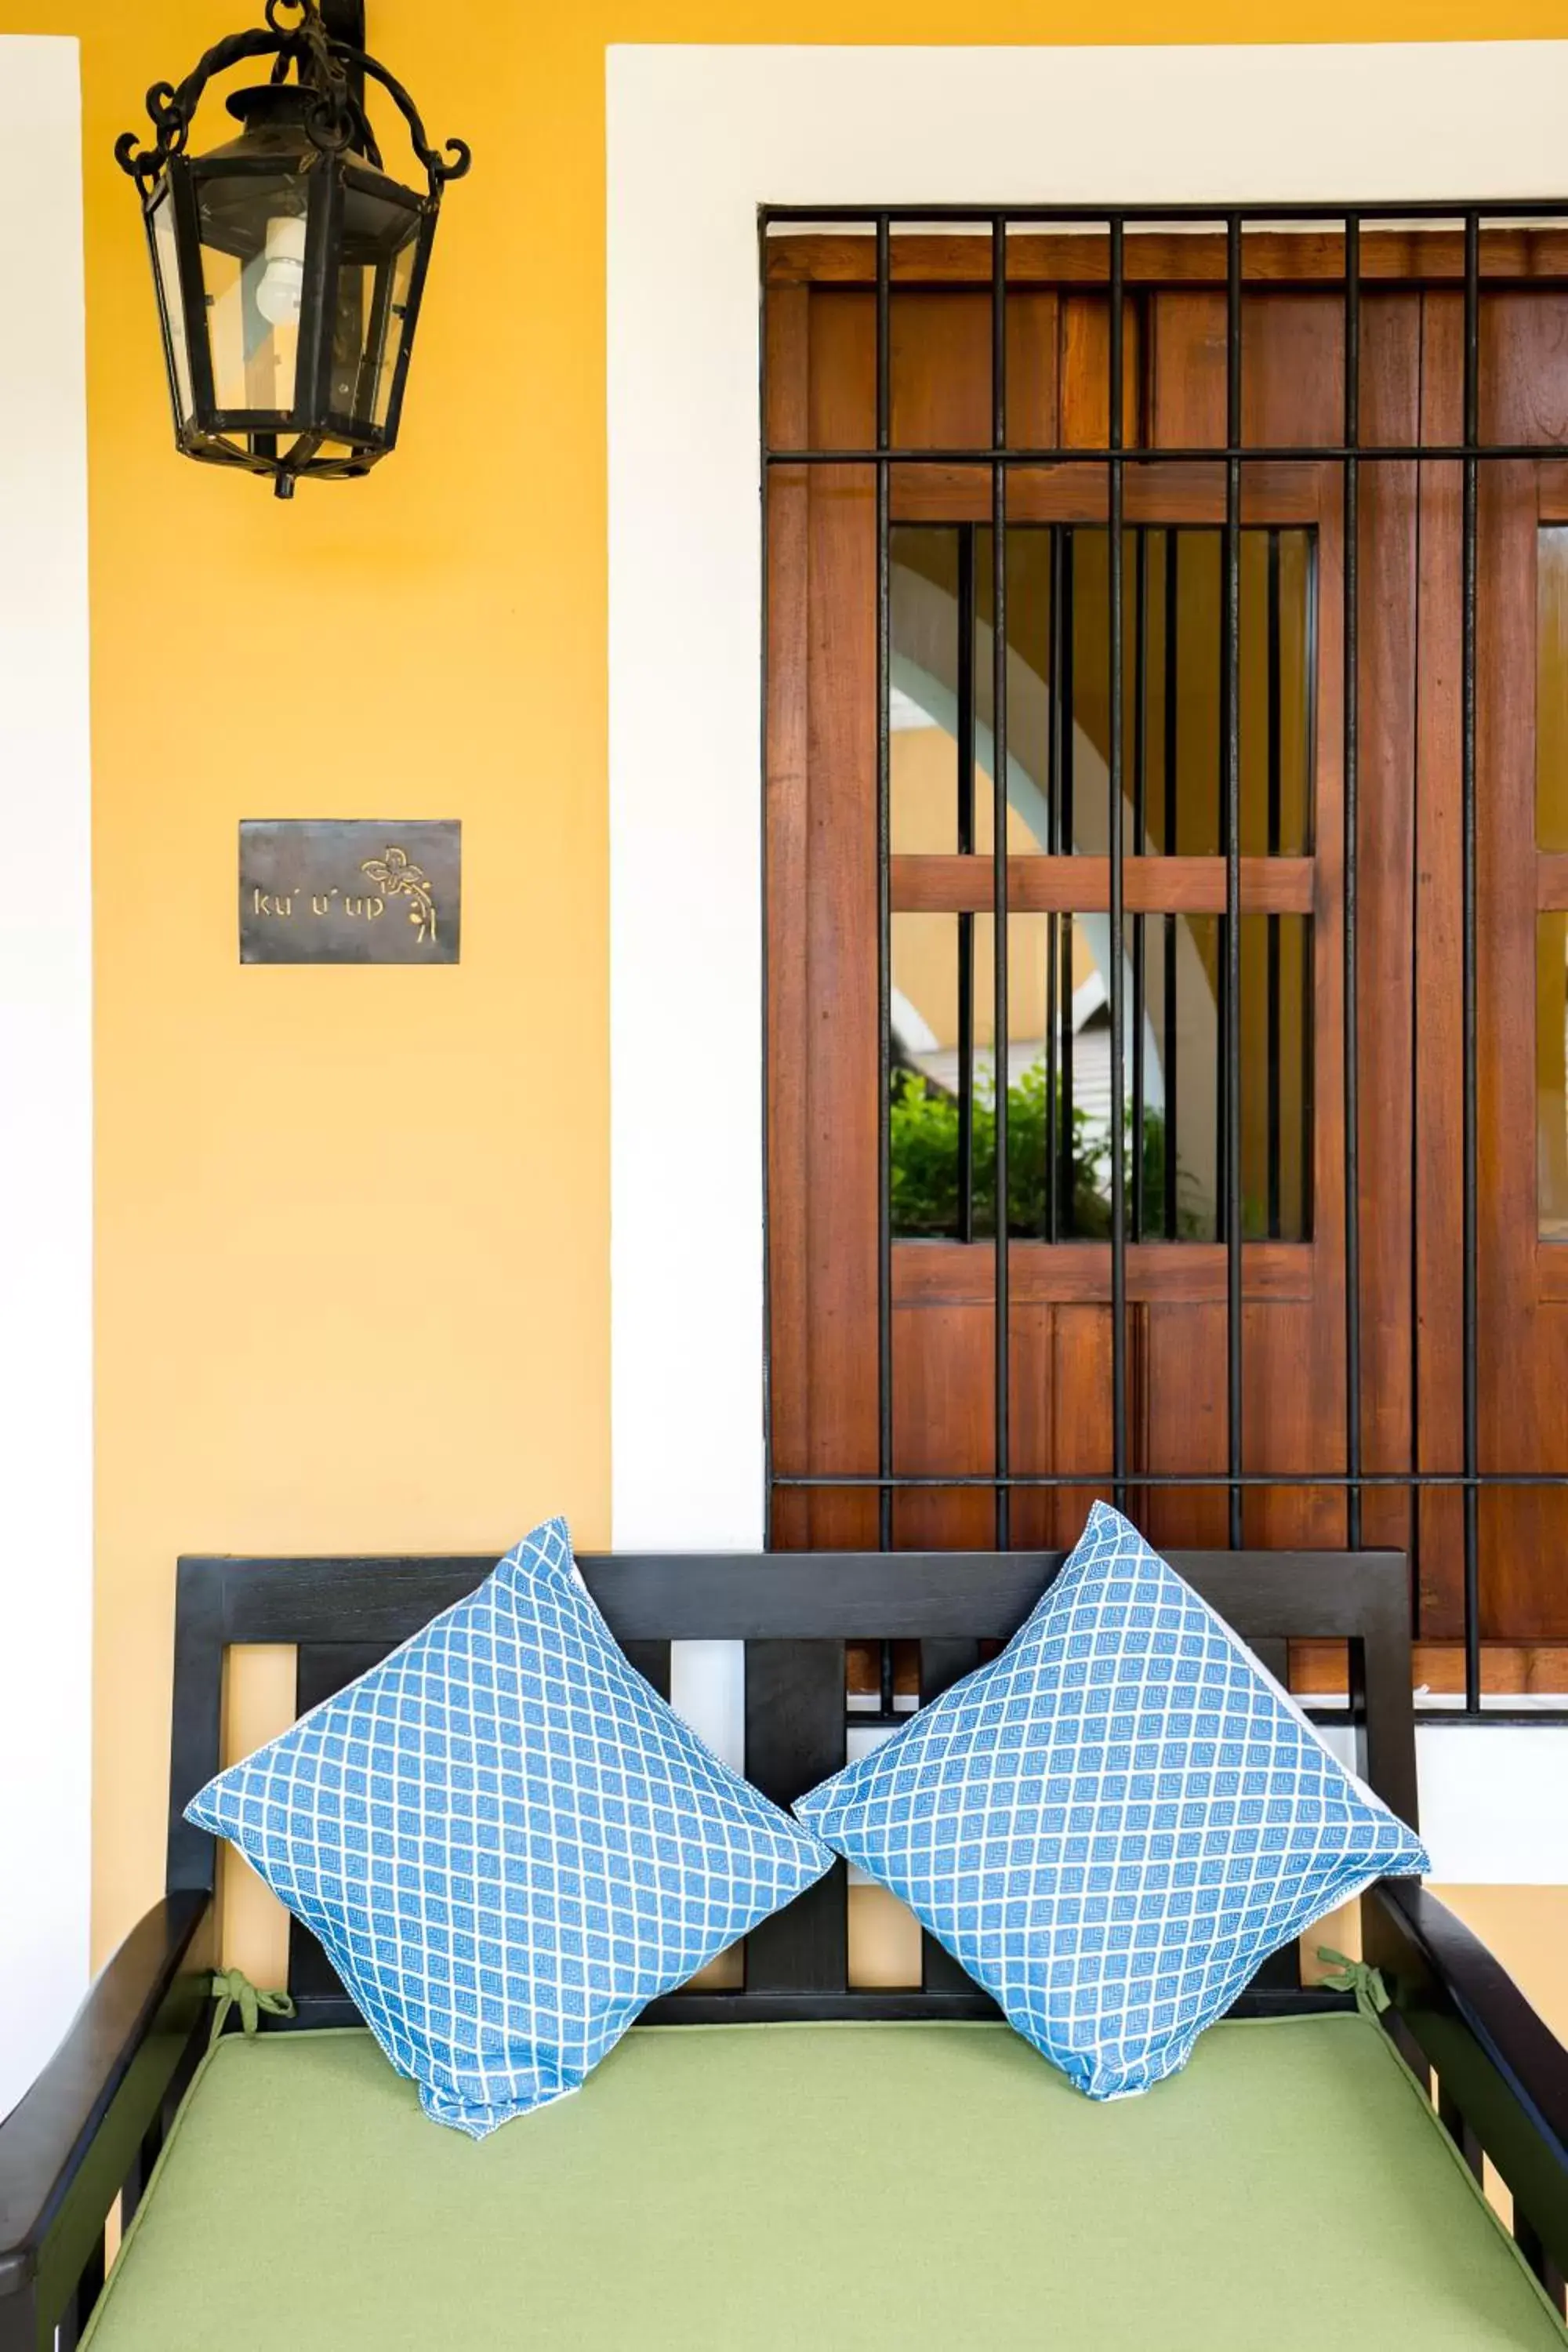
(355, 890)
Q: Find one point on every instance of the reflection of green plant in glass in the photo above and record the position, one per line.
(923, 1138)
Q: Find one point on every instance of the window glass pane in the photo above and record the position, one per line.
(942, 677)
(1182, 1030)
(1185, 621)
(1083, 755)
(1551, 1064)
(1180, 692)
(1276, 1077)
(926, 1079)
(941, 689)
(943, 1111)
(943, 1078)
(923, 696)
(1296, 685)
(1177, 1186)
(1276, 692)
(1031, 551)
(1551, 688)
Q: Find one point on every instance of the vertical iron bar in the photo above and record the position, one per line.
(1066, 1201)
(1222, 964)
(1276, 792)
(1140, 845)
(1352, 976)
(966, 847)
(999, 852)
(1471, 1130)
(1118, 906)
(764, 425)
(1168, 922)
(1053, 944)
(884, 905)
(1231, 701)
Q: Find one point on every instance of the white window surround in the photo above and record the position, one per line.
(698, 137)
(45, 1070)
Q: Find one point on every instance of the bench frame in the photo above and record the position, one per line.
(89, 2129)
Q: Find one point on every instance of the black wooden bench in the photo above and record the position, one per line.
(91, 2129)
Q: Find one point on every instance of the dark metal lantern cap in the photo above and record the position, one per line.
(270, 107)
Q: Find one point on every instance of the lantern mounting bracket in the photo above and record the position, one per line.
(322, 62)
(344, 21)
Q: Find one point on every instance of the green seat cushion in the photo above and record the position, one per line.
(851, 2185)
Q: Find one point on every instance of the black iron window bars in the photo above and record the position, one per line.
(1113, 456)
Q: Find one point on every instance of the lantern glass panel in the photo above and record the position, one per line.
(253, 232)
(166, 264)
(381, 243)
(371, 320)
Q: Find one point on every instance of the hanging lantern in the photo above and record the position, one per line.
(288, 266)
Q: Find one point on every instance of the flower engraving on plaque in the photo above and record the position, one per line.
(399, 878)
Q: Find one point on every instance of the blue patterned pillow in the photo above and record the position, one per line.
(508, 1842)
(1112, 1824)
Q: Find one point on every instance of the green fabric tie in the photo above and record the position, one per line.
(232, 1989)
(1354, 1976)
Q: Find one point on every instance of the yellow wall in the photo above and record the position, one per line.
(1527, 1928)
(353, 1225)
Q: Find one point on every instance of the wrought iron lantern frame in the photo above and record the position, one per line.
(316, 438)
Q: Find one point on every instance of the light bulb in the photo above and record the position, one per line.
(279, 288)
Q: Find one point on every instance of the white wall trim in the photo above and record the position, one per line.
(1494, 1803)
(697, 138)
(46, 1069)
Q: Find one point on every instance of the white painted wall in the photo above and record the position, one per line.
(45, 1068)
(1494, 1804)
(701, 136)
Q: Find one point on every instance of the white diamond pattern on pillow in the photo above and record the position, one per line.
(1115, 1822)
(508, 1842)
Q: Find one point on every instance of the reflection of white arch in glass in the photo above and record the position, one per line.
(911, 1030)
(923, 666)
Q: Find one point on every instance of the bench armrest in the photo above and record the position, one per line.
(1503, 2074)
(77, 2136)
